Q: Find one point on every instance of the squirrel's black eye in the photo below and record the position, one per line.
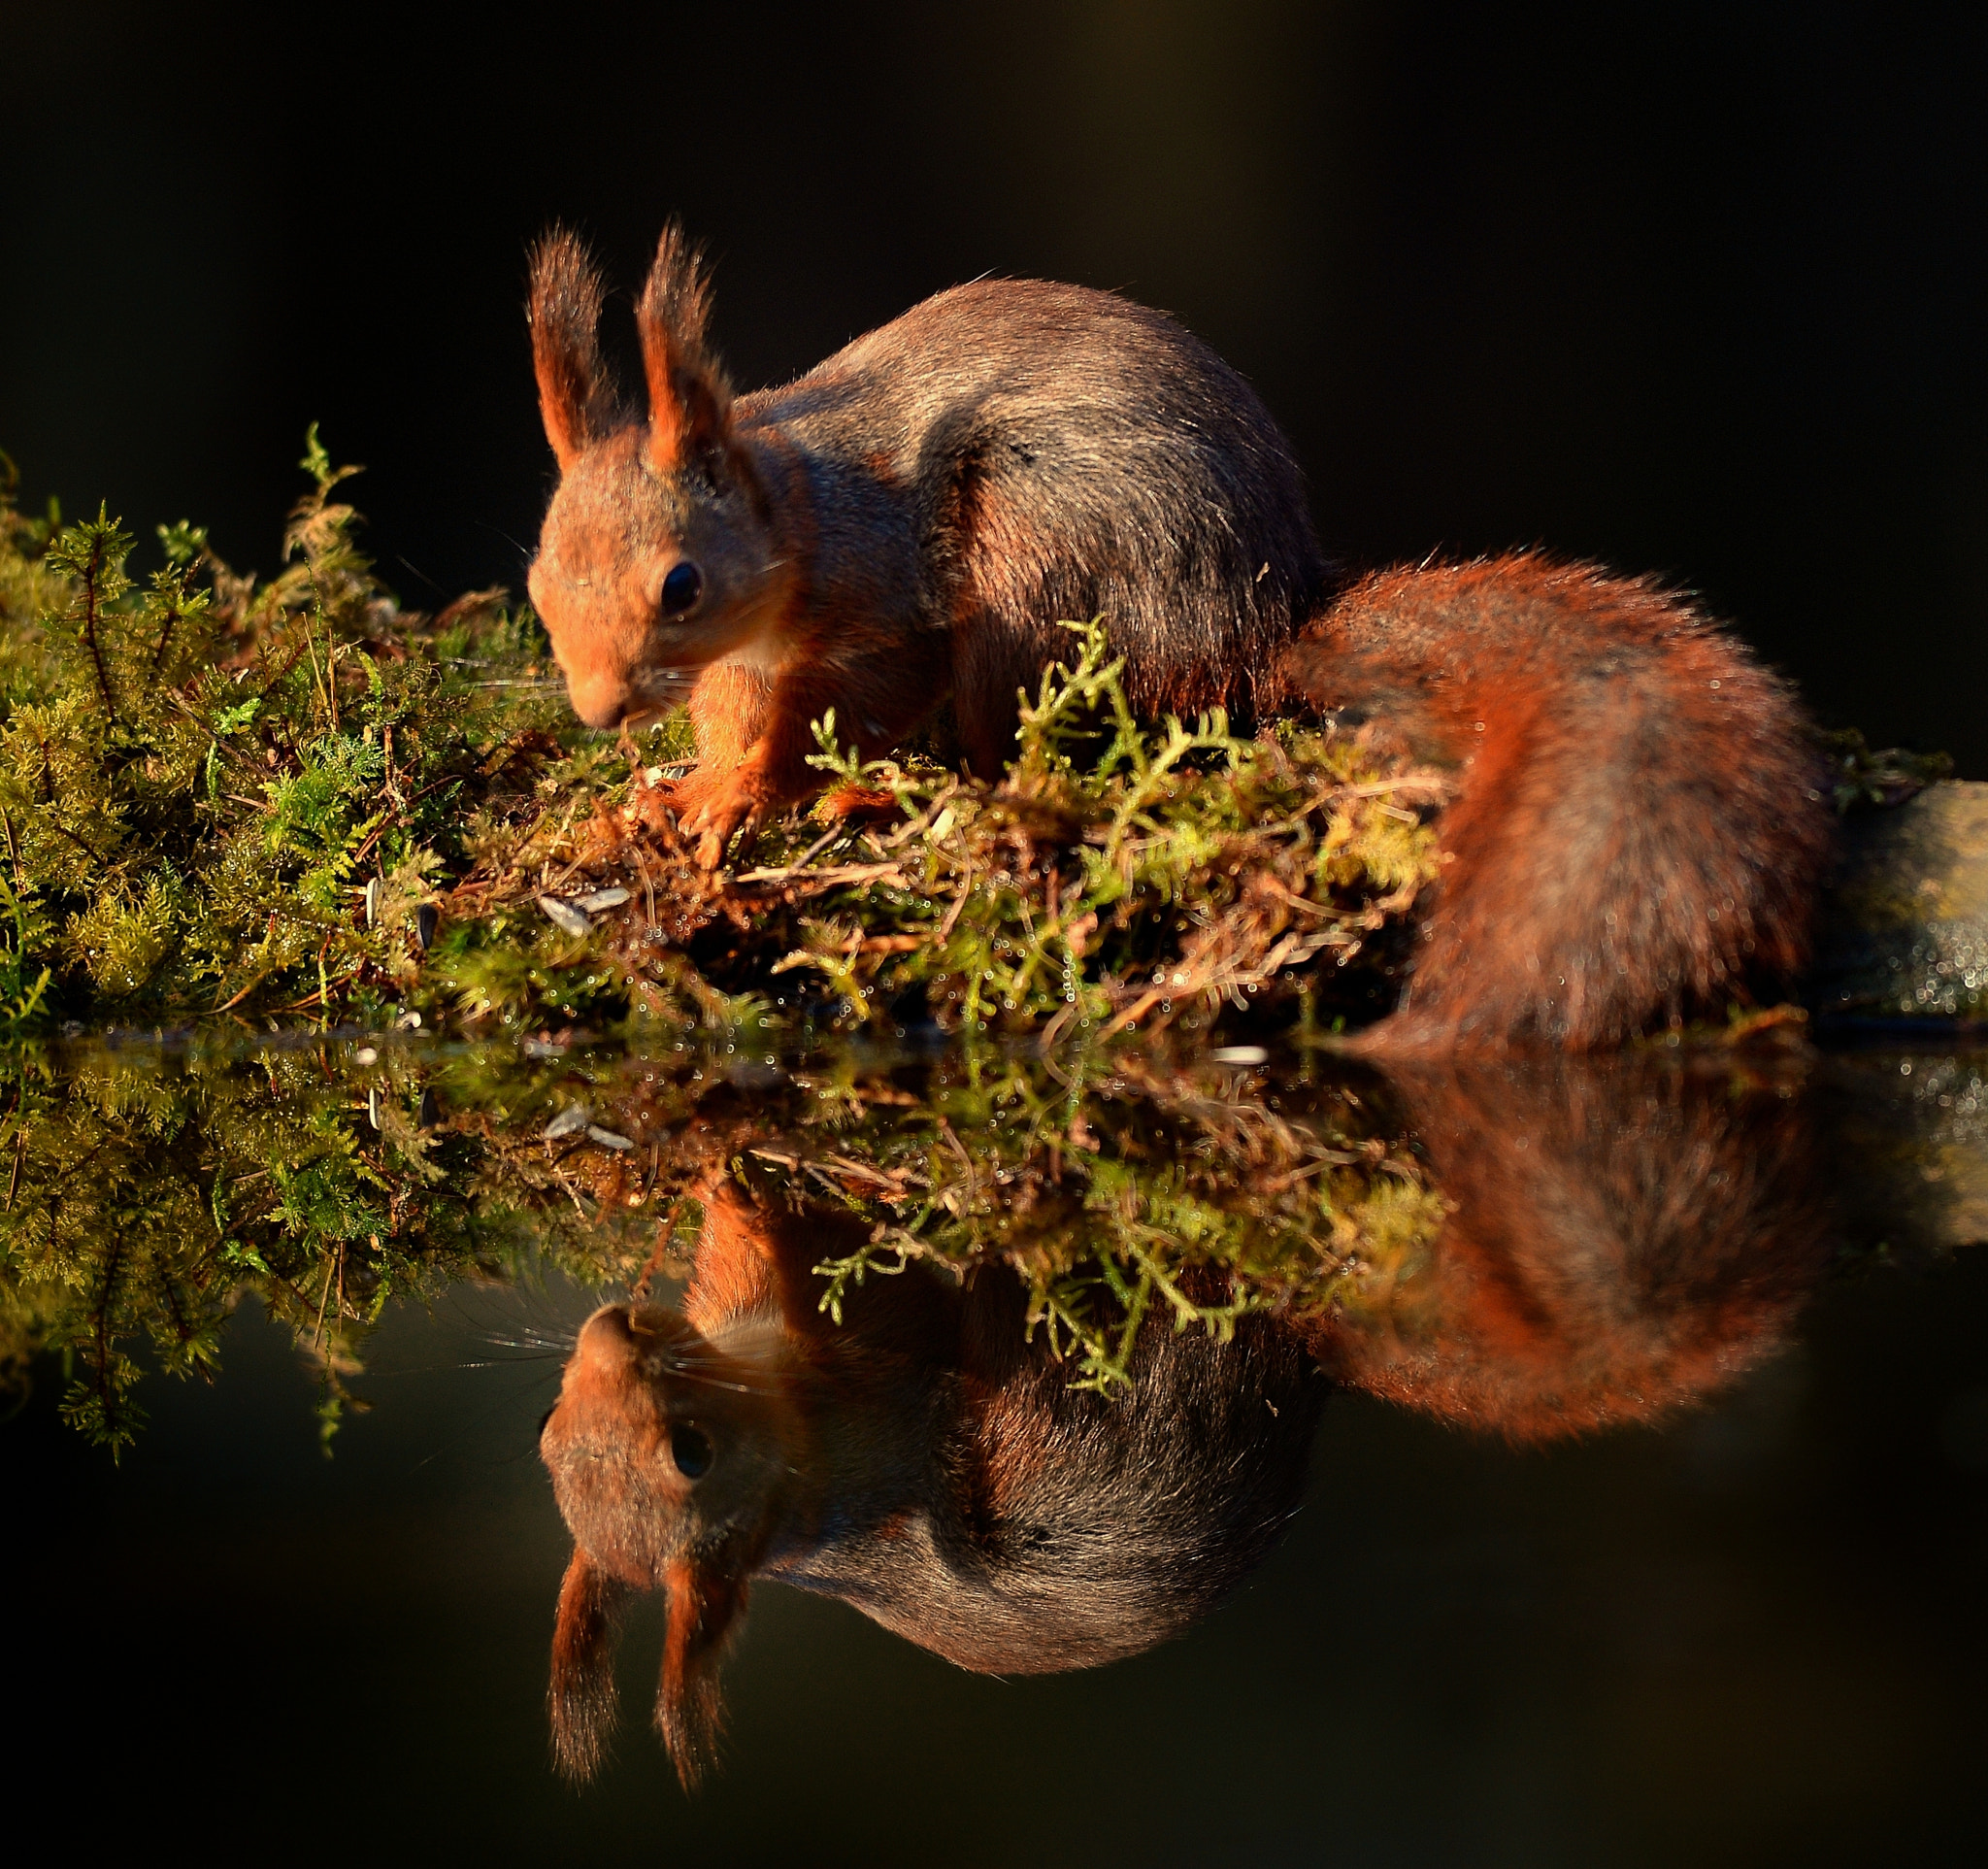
(680, 587)
(691, 1449)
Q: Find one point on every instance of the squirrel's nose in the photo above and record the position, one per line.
(599, 706)
(605, 1339)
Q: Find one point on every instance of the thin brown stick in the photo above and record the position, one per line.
(639, 1290)
(89, 625)
(323, 1298)
(158, 654)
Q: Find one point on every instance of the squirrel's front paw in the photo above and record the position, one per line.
(667, 801)
(726, 811)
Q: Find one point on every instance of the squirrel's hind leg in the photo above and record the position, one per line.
(995, 660)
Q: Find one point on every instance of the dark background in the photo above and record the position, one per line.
(1692, 288)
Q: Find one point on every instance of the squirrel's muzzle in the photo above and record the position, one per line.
(618, 1341)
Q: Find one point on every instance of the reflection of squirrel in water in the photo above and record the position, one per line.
(1635, 831)
(923, 1462)
(1623, 1239)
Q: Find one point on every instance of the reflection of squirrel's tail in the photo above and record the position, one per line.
(1625, 1236)
(1636, 830)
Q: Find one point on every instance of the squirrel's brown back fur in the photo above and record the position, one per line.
(1637, 832)
(1047, 454)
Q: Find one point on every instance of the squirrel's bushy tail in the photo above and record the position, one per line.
(1638, 830)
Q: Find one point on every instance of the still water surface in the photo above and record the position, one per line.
(1646, 1516)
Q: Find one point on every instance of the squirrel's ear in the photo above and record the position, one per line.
(576, 392)
(706, 1602)
(690, 401)
(581, 1700)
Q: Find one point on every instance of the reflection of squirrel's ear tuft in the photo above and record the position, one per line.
(576, 392)
(689, 400)
(581, 1700)
(706, 1601)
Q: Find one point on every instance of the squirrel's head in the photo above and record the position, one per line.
(673, 1461)
(657, 556)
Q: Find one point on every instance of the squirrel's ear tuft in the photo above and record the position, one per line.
(576, 392)
(581, 1700)
(706, 1602)
(689, 400)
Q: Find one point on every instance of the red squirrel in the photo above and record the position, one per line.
(897, 534)
(1637, 831)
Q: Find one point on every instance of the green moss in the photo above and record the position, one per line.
(294, 800)
(233, 806)
(199, 776)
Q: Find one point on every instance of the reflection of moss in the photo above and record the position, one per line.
(1108, 1185)
(1906, 934)
(151, 1189)
(148, 1192)
(1873, 778)
(293, 799)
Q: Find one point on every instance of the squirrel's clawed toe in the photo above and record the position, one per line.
(724, 812)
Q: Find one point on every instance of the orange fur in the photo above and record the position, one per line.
(688, 397)
(1625, 1238)
(707, 1599)
(582, 1698)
